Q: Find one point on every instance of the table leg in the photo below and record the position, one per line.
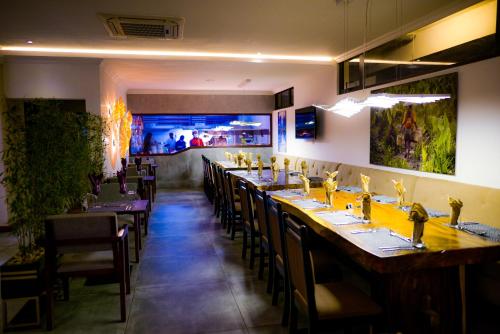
(137, 226)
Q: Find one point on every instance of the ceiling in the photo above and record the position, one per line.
(141, 75)
(282, 27)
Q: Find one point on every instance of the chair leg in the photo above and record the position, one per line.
(122, 275)
(233, 228)
(65, 282)
(262, 259)
(244, 246)
(270, 276)
(127, 265)
(286, 306)
(276, 286)
(292, 327)
(252, 250)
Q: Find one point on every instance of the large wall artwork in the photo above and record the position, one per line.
(282, 131)
(417, 136)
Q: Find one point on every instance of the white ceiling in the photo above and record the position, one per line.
(291, 27)
(140, 75)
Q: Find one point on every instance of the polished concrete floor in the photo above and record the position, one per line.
(191, 279)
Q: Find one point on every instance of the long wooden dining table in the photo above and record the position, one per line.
(412, 284)
(231, 165)
(266, 182)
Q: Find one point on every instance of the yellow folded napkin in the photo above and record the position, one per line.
(418, 215)
(456, 207)
(365, 183)
(306, 181)
(400, 191)
(366, 205)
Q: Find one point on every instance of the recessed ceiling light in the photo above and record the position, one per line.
(29, 42)
(162, 53)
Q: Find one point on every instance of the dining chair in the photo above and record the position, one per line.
(250, 225)
(265, 246)
(216, 190)
(233, 206)
(85, 245)
(326, 305)
(280, 273)
(223, 198)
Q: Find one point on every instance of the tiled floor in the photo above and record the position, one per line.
(191, 279)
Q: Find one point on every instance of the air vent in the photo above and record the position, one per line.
(143, 27)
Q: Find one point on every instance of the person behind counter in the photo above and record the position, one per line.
(196, 141)
(180, 144)
(170, 143)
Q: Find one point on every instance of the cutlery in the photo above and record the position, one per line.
(370, 230)
(394, 234)
(392, 249)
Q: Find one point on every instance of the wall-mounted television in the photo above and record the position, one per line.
(305, 123)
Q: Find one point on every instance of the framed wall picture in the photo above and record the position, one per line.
(418, 136)
(282, 131)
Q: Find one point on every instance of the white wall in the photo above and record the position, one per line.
(63, 78)
(111, 91)
(39, 77)
(347, 140)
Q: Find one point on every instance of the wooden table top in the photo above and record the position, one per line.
(266, 181)
(121, 207)
(444, 246)
(230, 165)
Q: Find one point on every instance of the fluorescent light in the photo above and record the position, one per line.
(240, 123)
(160, 53)
(401, 62)
(348, 107)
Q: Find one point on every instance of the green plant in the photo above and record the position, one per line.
(50, 148)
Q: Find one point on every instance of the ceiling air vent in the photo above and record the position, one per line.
(143, 27)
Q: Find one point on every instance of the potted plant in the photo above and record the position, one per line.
(50, 148)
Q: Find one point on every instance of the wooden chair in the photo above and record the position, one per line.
(280, 273)
(265, 246)
(223, 197)
(85, 245)
(250, 226)
(327, 305)
(216, 189)
(233, 206)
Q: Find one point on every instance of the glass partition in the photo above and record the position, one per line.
(463, 37)
(167, 134)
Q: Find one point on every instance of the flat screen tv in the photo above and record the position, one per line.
(305, 123)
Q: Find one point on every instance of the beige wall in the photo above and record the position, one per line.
(185, 170)
(47, 77)
(199, 103)
(347, 140)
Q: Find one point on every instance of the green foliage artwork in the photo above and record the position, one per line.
(50, 148)
(418, 136)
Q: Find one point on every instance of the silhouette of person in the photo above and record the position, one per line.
(180, 144)
(147, 144)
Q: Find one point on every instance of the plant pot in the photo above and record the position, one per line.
(22, 284)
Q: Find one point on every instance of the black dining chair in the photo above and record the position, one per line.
(250, 225)
(233, 206)
(265, 244)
